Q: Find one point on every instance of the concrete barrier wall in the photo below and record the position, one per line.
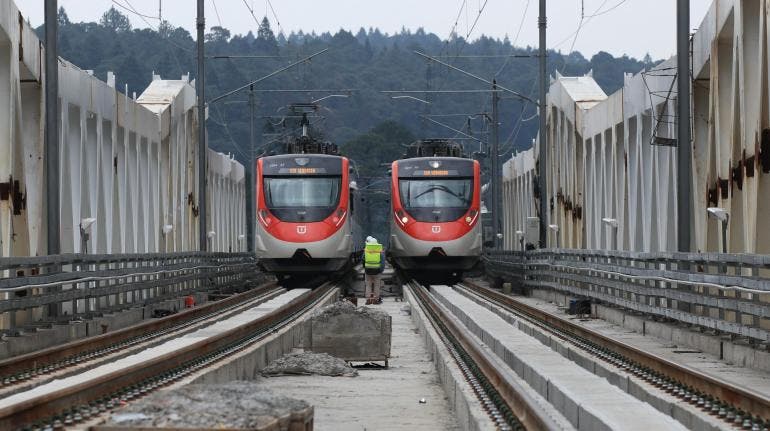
(129, 162)
(615, 156)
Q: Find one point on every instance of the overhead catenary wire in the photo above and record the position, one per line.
(515, 39)
(135, 12)
(251, 11)
(130, 8)
(608, 10)
(216, 12)
(476, 21)
(223, 123)
(586, 19)
(275, 15)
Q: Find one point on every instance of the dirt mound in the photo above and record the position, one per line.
(308, 363)
(345, 307)
(230, 405)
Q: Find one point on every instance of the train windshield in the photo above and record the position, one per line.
(436, 199)
(302, 199)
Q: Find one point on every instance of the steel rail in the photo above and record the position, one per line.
(155, 373)
(527, 412)
(23, 367)
(697, 384)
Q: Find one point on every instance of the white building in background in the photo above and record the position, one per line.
(128, 165)
(612, 171)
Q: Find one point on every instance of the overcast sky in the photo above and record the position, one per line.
(633, 27)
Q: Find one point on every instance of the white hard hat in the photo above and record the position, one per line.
(371, 240)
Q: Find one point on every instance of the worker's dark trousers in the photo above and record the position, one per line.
(373, 286)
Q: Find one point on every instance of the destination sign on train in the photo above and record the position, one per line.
(301, 171)
(435, 172)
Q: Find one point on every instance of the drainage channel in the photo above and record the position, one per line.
(738, 406)
(509, 409)
(65, 404)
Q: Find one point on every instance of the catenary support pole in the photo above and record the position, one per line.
(684, 146)
(200, 85)
(495, 162)
(250, 176)
(51, 128)
(542, 174)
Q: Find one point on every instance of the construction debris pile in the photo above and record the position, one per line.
(234, 405)
(346, 308)
(309, 363)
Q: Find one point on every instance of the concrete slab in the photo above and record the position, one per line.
(155, 351)
(600, 405)
(64, 333)
(349, 332)
(689, 354)
(378, 399)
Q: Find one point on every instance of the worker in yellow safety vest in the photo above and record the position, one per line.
(373, 265)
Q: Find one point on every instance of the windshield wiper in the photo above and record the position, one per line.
(442, 188)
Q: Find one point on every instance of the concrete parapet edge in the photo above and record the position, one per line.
(247, 364)
(75, 330)
(470, 415)
(684, 413)
(728, 350)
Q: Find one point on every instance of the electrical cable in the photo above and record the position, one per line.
(277, 21)
(515, 39)
(608, 10)
(134, 11)
(252, 13)
(481, 10)
(216, 11)
(583, 21)
(223, 123)
(142, 16)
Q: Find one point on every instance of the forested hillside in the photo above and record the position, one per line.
(367, 62)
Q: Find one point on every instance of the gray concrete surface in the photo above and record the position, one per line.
(725, 348)
(468, 410)
(755, 379)
(308, 363)
(234, 405)
(745, 363)
(349, 332)
(382, 399)
(115, 368)
(588, 401)
(685, 413)
(64, 333)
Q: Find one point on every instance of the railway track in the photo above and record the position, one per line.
(35, 368)
(81, 396)
(737, 406)
(509, 407)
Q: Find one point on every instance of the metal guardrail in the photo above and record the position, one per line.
(37, 291)
(726, 293)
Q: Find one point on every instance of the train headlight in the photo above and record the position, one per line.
(339, 217)
(401, 217)
(471, 217)
(264, 217)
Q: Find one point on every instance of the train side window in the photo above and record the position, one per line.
(352, 200)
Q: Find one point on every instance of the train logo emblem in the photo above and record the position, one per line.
(301, 230)
(435, 229)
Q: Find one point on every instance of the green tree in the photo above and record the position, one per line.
(61, 17)
(115, 21)
(218, 34)
(265, 37)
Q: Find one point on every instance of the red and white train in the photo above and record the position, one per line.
(306, 221)
(435, 228)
